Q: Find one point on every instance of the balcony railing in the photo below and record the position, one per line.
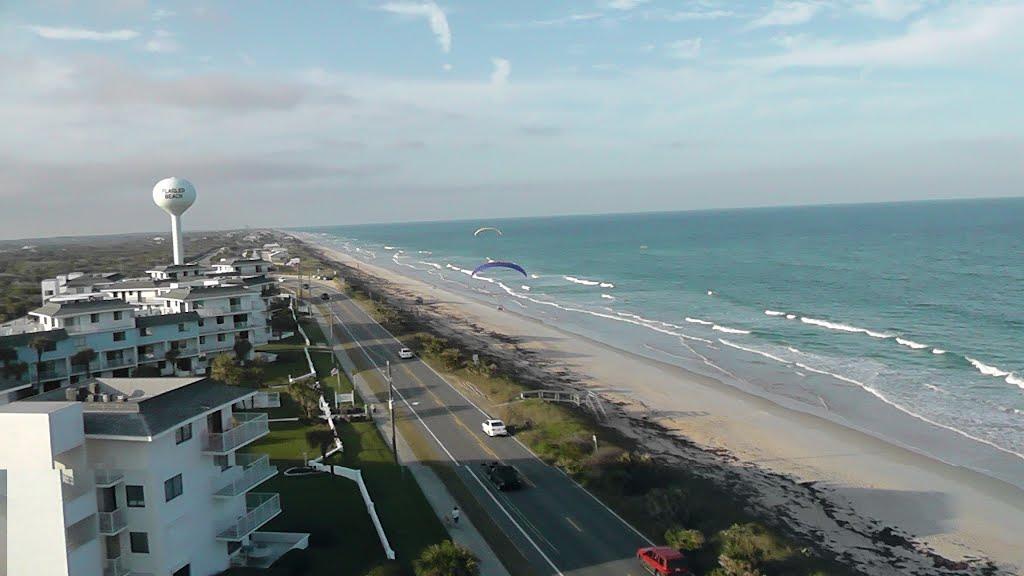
(259, 509)
(51, 373)
(73, 484)
(106, 478)
(112, 522)
(256, 469)
(248, 427)
(115, 567)
(242, 323)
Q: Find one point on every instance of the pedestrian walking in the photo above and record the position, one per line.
(455, 515)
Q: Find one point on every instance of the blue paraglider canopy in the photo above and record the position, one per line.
(499, 264)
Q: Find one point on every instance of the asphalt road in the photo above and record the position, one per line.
(559, 527)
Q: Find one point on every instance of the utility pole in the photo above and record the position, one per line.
(391, 408)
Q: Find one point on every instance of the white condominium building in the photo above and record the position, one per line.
(136, 476)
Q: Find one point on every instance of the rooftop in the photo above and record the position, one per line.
(151, 406)
(27, 332)
(135, 284)
(71, 308)
(176, 267)
(200, 292)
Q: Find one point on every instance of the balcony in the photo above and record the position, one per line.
(187, 351)
(242, 324)
(248, 426)
(115, 567)
(259, 509)
(256, 469)
(106, 478)
(52, 373)
(118, 362)
(112, 522)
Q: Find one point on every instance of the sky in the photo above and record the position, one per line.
(293, 114)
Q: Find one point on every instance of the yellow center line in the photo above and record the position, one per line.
(574, 524)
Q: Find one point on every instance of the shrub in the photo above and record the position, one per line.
(447, 559)
(753, 544)
(683, 539)
(450, 358)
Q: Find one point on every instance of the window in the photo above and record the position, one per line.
(183, 433)
(221, 337)
(183, 571)
(220, 319)
(139, 542)
(135, 496)
(94, 318)
(202, 339)
(181, 327)
(172, 488)
(222, 461)
(70, 321)
(118, 336)
(202, 322)
(146, 331)
(118, 314)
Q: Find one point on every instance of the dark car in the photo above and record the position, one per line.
(305, 286)
(325, 296)
(662, 560)
(503, 476)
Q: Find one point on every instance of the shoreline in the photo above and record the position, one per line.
(842, 485)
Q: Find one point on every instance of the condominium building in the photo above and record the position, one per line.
(140, 476)
(169, 327)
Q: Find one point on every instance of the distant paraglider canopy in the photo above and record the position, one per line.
(480, 231)
(500, 264)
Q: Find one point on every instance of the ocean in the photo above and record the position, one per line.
(902, 320)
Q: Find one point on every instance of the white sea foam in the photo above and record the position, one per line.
(525, 287)
(910, 343)
(607, 285)
(390, 248)
(427, 252)
(1014, 379)
(986, 369)
(711, 292)
(843, 327)
(790, 316)
(938, 351)
(534, 276)
(794, 350)
(728, 330)
(774, 313)
(607, 296)
(576, 280)
(699, 321)
(753, 351)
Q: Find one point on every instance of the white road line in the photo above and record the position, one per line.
(513, 521)
(441, 444)
(571, 479)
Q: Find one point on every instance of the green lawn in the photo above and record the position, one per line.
(353, 548)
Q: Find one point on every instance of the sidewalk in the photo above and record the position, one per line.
(433, 488)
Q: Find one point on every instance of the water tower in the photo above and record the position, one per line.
(175, 195)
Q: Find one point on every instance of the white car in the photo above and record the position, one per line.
(405, 353)
(494, 428)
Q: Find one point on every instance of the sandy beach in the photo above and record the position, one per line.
(884, 507)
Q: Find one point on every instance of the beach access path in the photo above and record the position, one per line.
(559, 527)
(866, 483)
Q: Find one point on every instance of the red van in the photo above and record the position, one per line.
(662, 560)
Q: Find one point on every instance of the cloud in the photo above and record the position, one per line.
(684, 49)
(502, 68)
(570, 19)
(429, 10)
(625, 4)
(161, 14)
(691, 15)
(889, 9)
(787, 14)
(64, 33)
(958, 36)
(162, 42)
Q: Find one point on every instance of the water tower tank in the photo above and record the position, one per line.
(174, 196)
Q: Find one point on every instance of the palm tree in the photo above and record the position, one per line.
(39, 344)
(84, 357)
(447, 558)
(172, 356)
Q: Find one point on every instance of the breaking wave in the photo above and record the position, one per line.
(576, 280)
(699, 321)
(774, 313)
(607, 296)
(728, 330)
(986, 369)
(843, 327)
(910, 343)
